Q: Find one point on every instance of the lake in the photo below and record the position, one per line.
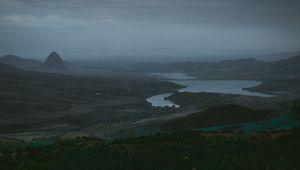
(194, 85)
(160, 101)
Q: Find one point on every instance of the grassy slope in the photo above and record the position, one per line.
(218, 115)
(31, 100)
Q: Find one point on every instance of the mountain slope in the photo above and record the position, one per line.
(8, 68)
(290, 68)
(19, 62)
(219, 115)
(241, 69)
(53, 62)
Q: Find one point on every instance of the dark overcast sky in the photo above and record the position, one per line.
(143, 28)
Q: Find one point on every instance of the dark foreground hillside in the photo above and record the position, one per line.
(188, 150)
(35, 101)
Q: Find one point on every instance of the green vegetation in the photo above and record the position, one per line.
(177, 151)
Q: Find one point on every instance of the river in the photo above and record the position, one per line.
(194, 85)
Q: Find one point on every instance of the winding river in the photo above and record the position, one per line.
(194, 85)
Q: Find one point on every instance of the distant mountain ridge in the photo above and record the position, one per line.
(19, 62)
(246, 69)
(239, 69)
(289, 67)
(271, 57)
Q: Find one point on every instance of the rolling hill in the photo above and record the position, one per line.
(19, 62)
(53, 62)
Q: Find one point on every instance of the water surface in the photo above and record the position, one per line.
(160, 101)
(220, 86)
(193, 85)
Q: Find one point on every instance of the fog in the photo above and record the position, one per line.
(148, 30)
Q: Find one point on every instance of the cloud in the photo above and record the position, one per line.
(50, 21)
(144, 27)
(266, 14)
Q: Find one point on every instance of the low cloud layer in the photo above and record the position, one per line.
(51, 21)
(143, 29)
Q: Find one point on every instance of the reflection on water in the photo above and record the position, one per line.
(193, 85)
(220, 86)
(160, 101)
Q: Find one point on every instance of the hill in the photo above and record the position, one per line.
(19, 62)
(53, 62)
(8, 68)
(218, 115)
(240, 69)
(271, 57)
(288, 68)
(38, 101)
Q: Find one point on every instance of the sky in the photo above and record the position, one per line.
(148, 29)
